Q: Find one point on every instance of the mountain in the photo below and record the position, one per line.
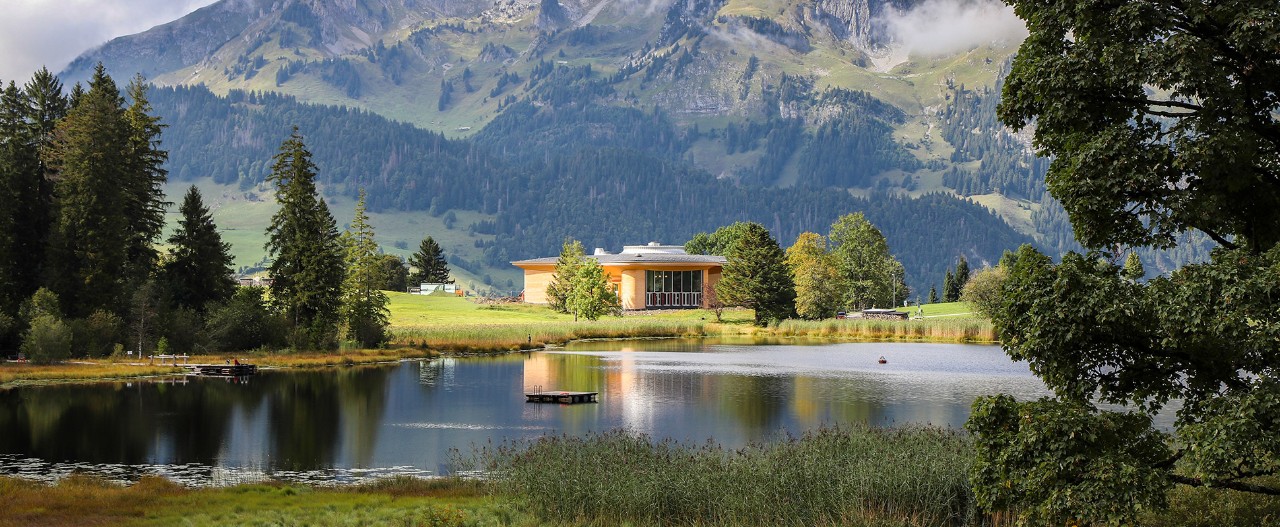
(612, 121)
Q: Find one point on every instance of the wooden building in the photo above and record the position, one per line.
(649, 276)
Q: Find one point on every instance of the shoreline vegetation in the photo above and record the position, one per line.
(425, 327)
(852, 475)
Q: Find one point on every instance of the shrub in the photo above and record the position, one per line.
(48, 340)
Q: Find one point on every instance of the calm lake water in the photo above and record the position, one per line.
(345, 425)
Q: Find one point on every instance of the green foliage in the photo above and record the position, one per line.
(307, 270)
(592, 295)
(48, 339)
(42, 303)
(756, 277)
(394, 274)
(429, 264)
(245, 322)
(718, 243)
(933, 295)
(870, 275)
(560, 290)
(580, 286)
(816, 278)
(364, 307)
(97, 335)
(983, 291)
(1133, 269)
(1160, 117)
(198, 270)
(1065, 463)
(955, 281)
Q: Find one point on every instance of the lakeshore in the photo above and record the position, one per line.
(424, 327)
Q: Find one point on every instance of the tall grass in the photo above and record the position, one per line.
(23, 373)
(931, 330)
(514, 337)
(846, 476)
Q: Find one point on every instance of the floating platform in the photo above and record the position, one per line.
(561, 397)
(223, 370)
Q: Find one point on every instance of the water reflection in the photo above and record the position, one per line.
(343, 424)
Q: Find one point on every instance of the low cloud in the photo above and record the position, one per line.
(942, 27)
(50, 33)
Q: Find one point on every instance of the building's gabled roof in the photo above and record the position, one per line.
(638, 254)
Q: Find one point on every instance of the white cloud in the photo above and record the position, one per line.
(941, 27)
(50, 33)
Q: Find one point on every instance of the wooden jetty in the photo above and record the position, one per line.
(561, 397)
(222, 370)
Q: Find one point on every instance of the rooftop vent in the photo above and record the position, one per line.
(600, 252)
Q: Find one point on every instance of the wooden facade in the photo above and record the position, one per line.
(645, 277)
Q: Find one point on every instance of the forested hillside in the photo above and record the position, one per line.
(538, 172)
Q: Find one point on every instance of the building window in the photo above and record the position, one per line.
(673, 289)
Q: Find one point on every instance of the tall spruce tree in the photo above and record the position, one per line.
(430, 266)
(307, 267)
(365, 315)
(756, 276)
(13, 150)
(46, 106)
(144, 204)
(962, 275)
(91, 235)
(199, 268)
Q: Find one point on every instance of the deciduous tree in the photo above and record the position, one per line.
(1160, 117)
(869, 273)
(814, 272)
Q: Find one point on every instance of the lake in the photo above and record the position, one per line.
(345, 425)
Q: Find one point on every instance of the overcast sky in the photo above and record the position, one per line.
(51, 33)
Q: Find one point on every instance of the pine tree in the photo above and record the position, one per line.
(91, 235)
(950, 293)
(45, 107)
(756, 277)
(560, 291)
(1133, 269)
(430, 266)
(933, 294)
(307, 267)
(14, 157)
(198, 270)
(144, 204)
(364, 307)
(962, 275)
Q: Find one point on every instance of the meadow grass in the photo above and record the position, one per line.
(15, 373)
(87, 500)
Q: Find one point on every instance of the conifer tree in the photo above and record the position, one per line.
(199, 268)
(364, 307)
(962, 275)
(429, 264)
(950, 293)
(560, 291)
(144, 204)
(933, 294)
(307, 266)
(756, 277)
(13, 159)
(1133, 269)
(91, 235)
(45, 106)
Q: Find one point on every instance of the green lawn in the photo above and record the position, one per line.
(944, 309)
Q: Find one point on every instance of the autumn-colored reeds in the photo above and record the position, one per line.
(967, 330)
(514, 337)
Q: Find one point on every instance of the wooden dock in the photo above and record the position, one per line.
(561, 397)
(222, 370)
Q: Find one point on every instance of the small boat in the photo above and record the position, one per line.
(882, 360)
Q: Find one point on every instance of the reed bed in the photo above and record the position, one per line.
(831, 476)
(24, 373)
(970, 330)
(480, 338)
